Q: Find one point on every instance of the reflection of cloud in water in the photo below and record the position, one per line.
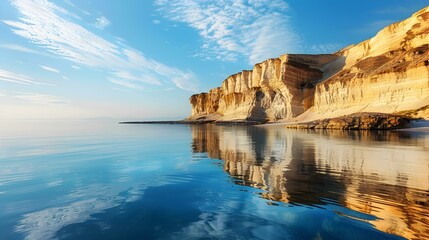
(55, 183)
(44, 224)
(95, 199)
(226, 226)
(251, 218)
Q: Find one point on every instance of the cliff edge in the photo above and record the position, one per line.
(388, 73)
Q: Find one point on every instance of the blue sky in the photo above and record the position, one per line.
(139, 59)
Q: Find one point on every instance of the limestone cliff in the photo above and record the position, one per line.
(388, 73)
(275, 89)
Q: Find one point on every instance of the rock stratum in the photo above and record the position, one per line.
(388, 73)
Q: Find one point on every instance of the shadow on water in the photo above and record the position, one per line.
(381, 174)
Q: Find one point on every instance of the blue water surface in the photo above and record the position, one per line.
(103, 180)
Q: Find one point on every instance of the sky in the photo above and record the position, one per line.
(142, 59)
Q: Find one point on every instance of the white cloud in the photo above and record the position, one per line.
(40, 98)
(13, 77)
(102, 22)
(186, 82)
(69, 3)
(126, 83)
(156, 21)
(20, 48)
(41, 22)
(49, 69)
(129, 76)
(75, 67)
(256, 30)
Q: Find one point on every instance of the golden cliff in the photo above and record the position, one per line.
(388, 73)
(275, 89)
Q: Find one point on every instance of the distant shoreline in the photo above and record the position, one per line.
(357, 121)
(196, 122)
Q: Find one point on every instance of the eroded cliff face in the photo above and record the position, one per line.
(275, 89)
(388, 73)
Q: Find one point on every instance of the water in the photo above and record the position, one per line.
(102, 180)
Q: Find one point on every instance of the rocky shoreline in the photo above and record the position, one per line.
(358, 121)
(196, 122)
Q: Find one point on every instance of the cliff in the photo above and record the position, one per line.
(388, 73)
(275, 89)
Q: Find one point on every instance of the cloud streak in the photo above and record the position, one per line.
(13, 77)
(21, 49)
(37, 98)
(42, 23)
(49, 69)
(256, 30)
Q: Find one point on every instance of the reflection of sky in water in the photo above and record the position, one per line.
(109, 181)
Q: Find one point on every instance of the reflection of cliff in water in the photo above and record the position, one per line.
(264, 159)
(383, 174)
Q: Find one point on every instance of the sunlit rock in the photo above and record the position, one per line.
(388, 73)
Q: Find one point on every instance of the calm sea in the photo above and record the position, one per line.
(103, 180)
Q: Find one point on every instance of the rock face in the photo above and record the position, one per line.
(388, 73)
(275, 89)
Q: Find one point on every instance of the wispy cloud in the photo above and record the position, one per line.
(75, 67)
(131, 77)
(49, 69)
(40, 98)
(41, 22)
(156, 21)
(126, 83)
(232, 29)
(69, 3)
(20, 48)
(13, 77)
(102, 22)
